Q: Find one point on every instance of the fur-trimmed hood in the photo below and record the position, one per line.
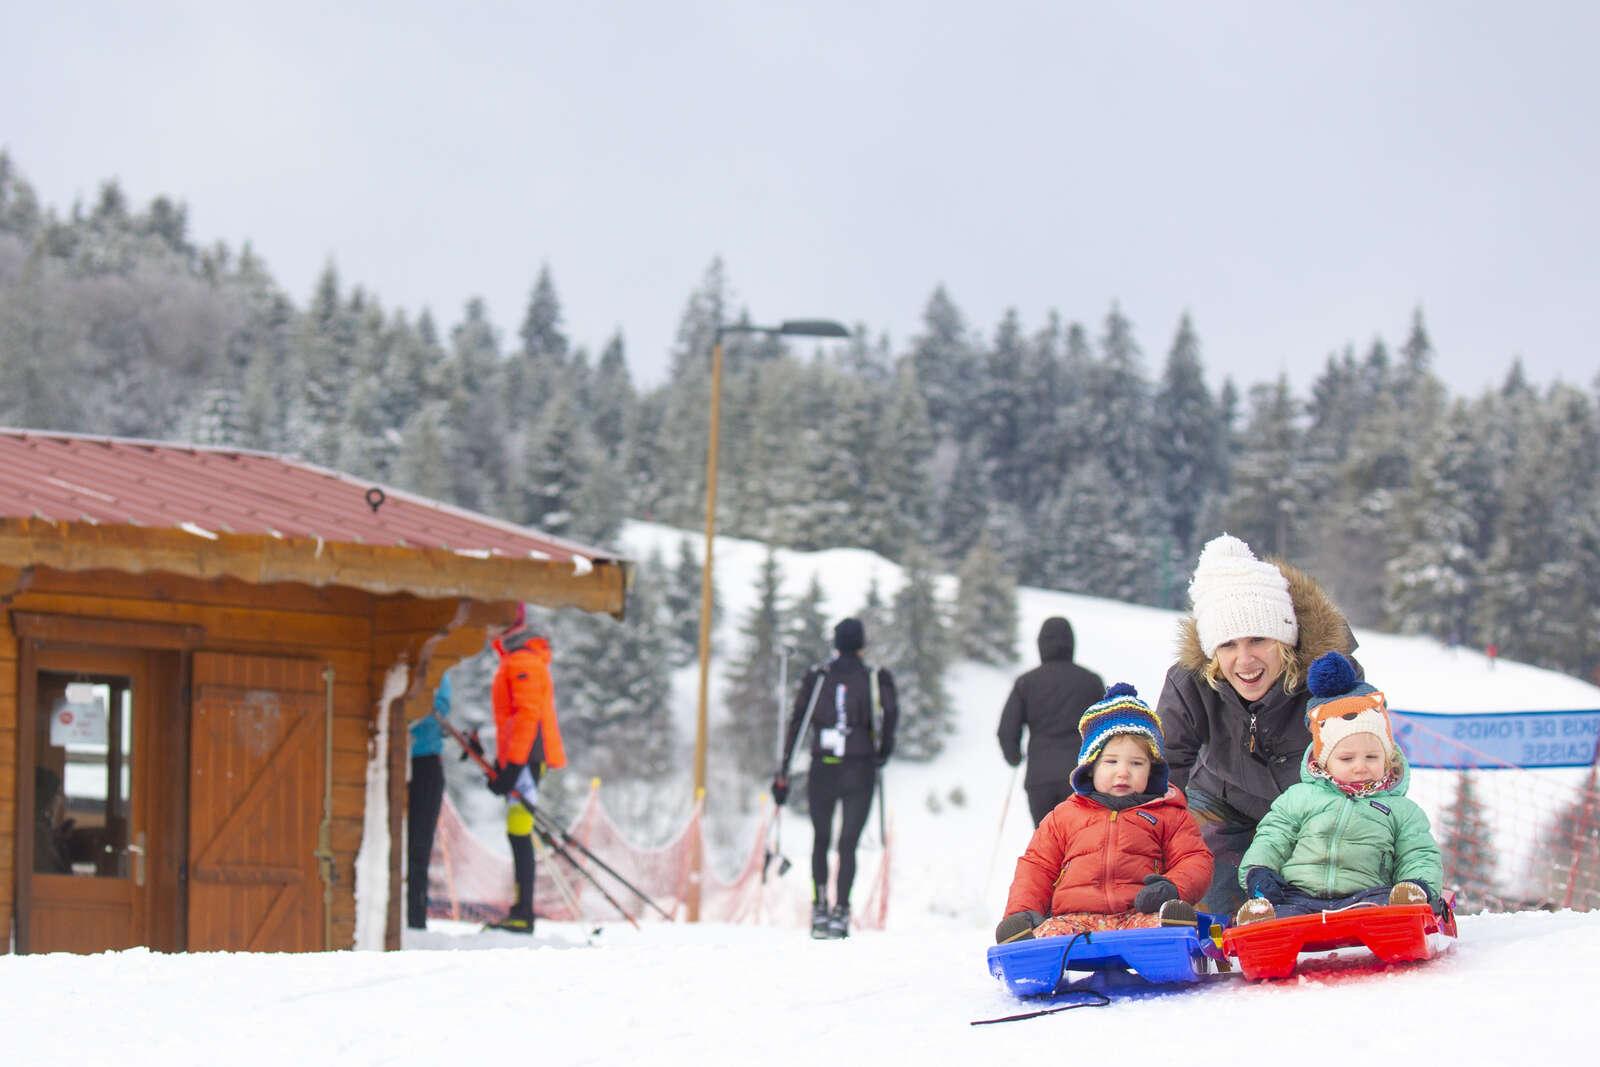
(1323, 627)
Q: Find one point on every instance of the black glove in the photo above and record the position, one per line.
(883, 755)
(1264, 882)
(780, 790)
(506, 779)
(1017, 927)
(473, 744)
(1156, 892)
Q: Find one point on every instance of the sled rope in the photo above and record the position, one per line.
(1066, 957)
(1100, 1003)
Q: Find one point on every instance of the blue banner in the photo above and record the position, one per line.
(1497, 739)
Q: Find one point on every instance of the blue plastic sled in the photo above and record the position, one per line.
(1159, 956)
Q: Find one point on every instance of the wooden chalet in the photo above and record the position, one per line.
(196, 647)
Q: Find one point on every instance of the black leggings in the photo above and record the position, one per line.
(849, 783)
(422, 817)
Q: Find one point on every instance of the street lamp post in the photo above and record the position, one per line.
(790, 328)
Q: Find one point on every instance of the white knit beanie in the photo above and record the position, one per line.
(1236, 595)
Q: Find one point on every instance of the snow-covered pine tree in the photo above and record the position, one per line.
(1122, 431)
(1432, 584)
(1566, 870)
(1188, 439)
(986, 607)
(614, 689)
(1467, 847)
(947, 365)
(1265, 502)
(899, 498)
(965, 506)
(809, 630)
(917, 650)
(217, 421)
(750, 696)
(411, 375)
(682, 598)
(997, 411)
(321, 374)
(475, 417)
(614, 397)
(557, 458)
(422, 464)
(540, 361)
(1543, 573)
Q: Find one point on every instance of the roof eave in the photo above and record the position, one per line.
(595, 586)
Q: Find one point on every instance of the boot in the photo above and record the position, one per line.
(1407, 893)
(513, 923)
(839, 921)
(819, 919)
(1178, 913)
(1255, 910)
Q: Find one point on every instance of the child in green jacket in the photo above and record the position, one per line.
(1346, 834)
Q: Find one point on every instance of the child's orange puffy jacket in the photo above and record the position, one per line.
(524, 702)
(1086, 857)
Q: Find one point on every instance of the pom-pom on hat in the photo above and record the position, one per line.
(849, 635)
(1342, 705)
(1119, 712)
(1236, 595)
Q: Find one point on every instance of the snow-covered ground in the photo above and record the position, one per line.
(769, 995)
(1515, 985)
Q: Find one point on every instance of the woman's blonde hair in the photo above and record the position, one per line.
(1288, 664)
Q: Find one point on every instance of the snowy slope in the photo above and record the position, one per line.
(717, 995)
(770, 995)
(957, 863)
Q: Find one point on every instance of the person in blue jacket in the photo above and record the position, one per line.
(423, 802)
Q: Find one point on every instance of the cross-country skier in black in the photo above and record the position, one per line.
(850, 711)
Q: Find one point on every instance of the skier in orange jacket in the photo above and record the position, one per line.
(527, 743)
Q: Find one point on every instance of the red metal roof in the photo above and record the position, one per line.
(121, 481)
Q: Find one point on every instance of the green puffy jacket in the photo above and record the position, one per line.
(1329, 844)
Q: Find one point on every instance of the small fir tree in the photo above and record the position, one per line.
(986, 607)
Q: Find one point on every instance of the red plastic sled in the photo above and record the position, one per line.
(1394, 933)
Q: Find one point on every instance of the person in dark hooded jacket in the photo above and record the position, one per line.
(1048, 700)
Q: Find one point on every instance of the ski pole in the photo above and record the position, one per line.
(541, 818)
(994, 853)
(562, 885)
(556, 847)
(883, 824)
(488, 769)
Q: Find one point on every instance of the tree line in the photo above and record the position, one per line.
(1055, 456)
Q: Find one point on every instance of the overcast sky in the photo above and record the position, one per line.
(1297, 176)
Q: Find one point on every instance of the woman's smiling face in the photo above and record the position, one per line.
(1251, 665)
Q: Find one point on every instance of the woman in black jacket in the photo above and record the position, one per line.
(1233, 706)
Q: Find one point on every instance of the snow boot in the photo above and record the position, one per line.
(819, 919)
(1408, 893)
(1178, 913)
(839, 921)
(1255, 910)
(513, 924)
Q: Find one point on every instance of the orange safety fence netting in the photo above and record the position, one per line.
(468, 880)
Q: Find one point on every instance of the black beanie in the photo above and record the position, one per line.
(849, 635)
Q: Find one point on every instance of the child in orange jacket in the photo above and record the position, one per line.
(1121, 852)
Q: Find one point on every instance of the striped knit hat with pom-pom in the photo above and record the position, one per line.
(1342, 705)
(1119, 712)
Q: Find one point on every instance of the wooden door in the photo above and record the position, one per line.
(89, 733)
(255, 801)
